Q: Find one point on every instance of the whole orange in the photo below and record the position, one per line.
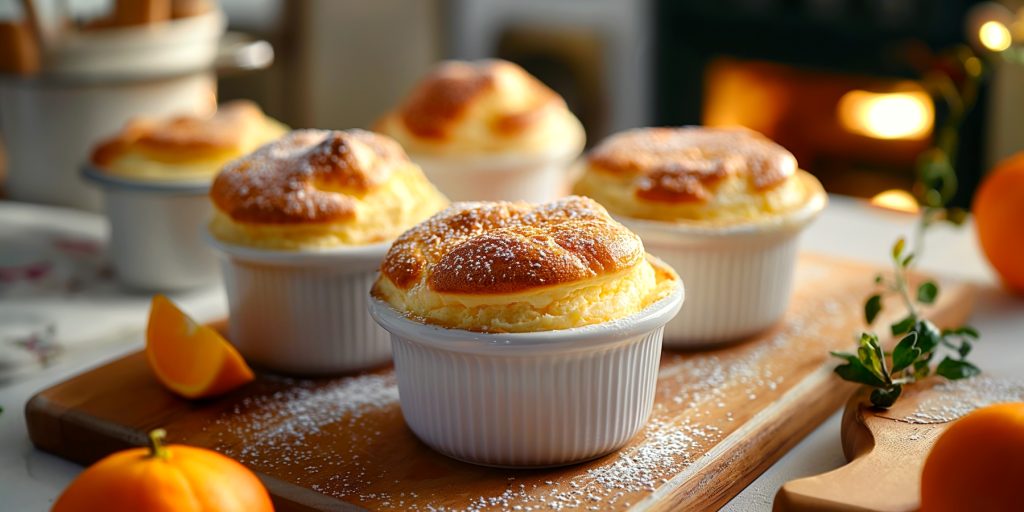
(999, 219)
(174, 478)
(978, 463)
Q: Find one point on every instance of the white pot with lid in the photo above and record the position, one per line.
(94, 82)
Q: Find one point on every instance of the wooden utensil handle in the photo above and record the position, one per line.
(884, 473)
(867, 483)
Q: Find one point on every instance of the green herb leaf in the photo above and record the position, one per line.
(966, 331)
(884, 398)
(905, 353)
(906, 261)
(855, 371)
(897, 249)
(904, 326)
(928, 336)
(870, 353)
(927, 292)
(872, 308)
(965, 348)
(953, 369)
(879, 279)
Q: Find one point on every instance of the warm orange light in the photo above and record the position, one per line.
(897, 200)
(892, 115)
(995, 36)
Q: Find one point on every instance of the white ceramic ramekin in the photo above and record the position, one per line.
(528, 399)
(304, 312)
(739, 278)
(155, 241)
(532, 178)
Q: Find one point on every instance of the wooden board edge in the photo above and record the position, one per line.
(43, 423)
(724, 474)
(288, 497)
(74, 436)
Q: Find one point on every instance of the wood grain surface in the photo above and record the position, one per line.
(721, 417)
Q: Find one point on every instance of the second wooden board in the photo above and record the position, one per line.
(887, 448)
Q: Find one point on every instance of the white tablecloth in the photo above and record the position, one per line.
(94, 320)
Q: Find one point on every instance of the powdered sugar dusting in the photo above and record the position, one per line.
(608, 484)
(951, 400)
(287, 421)
(713, 382)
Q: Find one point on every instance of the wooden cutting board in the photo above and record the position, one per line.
(887, 448)
(721, 417)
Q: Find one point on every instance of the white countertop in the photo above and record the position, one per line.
(97, 321)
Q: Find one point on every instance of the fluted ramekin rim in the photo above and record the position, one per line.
(766, 227)
(591, 336)
(358, 255)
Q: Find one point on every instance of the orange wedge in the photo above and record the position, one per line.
(191, 360)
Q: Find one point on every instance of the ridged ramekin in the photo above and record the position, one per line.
(513, 177)
(155, 241)
(304, 312)
(739, 278)
(536, 399)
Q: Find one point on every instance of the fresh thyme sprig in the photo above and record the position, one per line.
(921, 342)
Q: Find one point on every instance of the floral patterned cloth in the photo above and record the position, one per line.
(58, 293)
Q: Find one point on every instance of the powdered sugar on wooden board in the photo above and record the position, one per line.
(280, 429)
(949, 401)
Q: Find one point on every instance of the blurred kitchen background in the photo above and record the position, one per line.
(841, 83)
